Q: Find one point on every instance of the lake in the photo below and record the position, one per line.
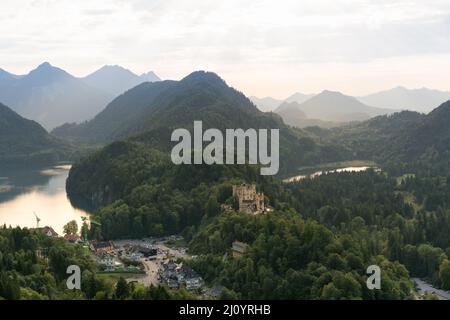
(318, 173)
(40, 191)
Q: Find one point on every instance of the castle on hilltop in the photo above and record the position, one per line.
(250, 201)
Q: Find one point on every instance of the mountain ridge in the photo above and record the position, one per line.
(115, 79)
(419, 99)
(51, 96)
(24, 141)
(150, 112)
(338, 107)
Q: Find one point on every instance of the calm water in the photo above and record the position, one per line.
(23, 192)
(318, 173)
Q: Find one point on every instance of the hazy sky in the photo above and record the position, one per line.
(260, 47)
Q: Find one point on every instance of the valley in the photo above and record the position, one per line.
(310, 238)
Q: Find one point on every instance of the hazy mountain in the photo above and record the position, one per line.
(51, 96)
(151, 111)
(266, 104)
(337, 107)
(270, 104)
(422, 100)
(24, 141)
(116, 80)
(294, 116)
(299, 97)
(149, 77)
(166, 104)
(422, 140)
(6, 77)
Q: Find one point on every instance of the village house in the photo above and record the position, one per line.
(250, 201)
(49, 231)
(238, 249)
(176, 275)
(72, 238)
(110, 264)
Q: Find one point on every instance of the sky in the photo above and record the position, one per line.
(262, 48)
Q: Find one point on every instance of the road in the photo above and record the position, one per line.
(424, 287)
(151, 274)
(152, 266)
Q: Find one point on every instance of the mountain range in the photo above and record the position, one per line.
(266, 104)
(421, 100)
(293, 115)
(150, 112)
(407, 140)
(51, 96)
(399, 98)
(328, 106)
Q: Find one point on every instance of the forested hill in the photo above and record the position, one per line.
(171, 104)
(150, 112)
(369, 139)
(428, 140)
(24, 141)
(406, 139)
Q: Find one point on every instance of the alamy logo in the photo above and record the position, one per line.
(74, 280)
(236, 142)
(374, 280)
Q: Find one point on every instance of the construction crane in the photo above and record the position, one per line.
(37, 220)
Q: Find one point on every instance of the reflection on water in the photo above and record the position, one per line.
(318, 173)
(23, 192)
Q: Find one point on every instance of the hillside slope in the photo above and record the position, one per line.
(24, 141)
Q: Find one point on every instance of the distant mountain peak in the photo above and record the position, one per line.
(202, 75)
(330, 92)
(114, 67)
(45, 64)
(150, 76)
(46, 73)
(299, 97)
(46, 67)
(150, 73)
(116, 79)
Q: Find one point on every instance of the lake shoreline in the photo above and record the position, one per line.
(40, 191)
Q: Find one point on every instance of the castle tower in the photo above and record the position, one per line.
(250, 201)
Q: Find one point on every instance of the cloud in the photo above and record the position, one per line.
(281, 38)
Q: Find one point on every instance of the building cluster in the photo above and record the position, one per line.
(50, 232)
(177, 275)
(113, 260)
(249, 200)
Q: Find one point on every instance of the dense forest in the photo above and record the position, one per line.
(322, 235)
(323, 231)
(24, 141)
(359, 219)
